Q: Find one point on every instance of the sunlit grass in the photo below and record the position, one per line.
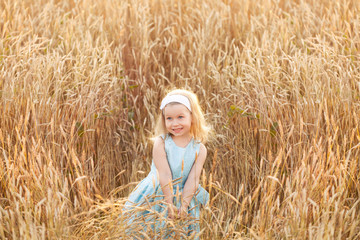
(80, 87)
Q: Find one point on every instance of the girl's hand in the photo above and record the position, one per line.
(183, 213)
(172, 211)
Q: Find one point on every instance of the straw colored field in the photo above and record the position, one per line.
(80, 86)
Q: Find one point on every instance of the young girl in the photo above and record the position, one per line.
(172, 187)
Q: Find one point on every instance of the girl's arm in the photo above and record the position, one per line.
(193, 179)
(162, 166)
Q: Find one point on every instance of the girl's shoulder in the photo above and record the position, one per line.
(159, 145)
(202, 154)
(202, 145)
(163, 136)
(159, 140)
(202, 149)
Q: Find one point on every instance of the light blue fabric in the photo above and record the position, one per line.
(149, 191)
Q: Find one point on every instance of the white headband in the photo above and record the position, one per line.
(175, 98)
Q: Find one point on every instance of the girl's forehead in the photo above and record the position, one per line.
(175, 108)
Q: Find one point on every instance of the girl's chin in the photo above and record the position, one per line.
(179, 134)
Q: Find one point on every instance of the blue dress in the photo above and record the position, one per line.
(148, 193)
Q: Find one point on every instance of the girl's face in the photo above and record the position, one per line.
(177, 120)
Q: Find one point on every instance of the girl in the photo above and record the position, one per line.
(172, 187)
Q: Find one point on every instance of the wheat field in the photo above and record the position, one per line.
(80, 86)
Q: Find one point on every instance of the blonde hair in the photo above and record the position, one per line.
(199, 129)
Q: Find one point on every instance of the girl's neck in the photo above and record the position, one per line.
(181, 140)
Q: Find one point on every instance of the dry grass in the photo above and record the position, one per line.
(80, 85)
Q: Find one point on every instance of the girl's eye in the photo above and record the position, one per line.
(181, 117)
(169, 118)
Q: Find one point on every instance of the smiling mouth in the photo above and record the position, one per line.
(177, 130)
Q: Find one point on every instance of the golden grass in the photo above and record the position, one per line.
(80, 86)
